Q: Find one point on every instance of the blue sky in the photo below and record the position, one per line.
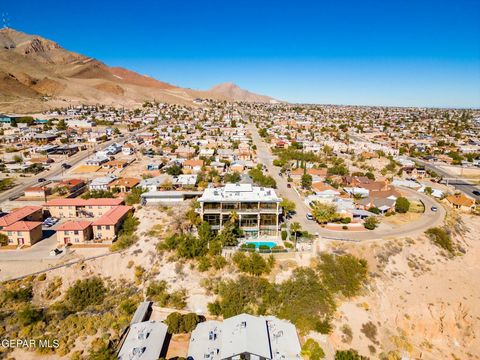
(404, 52)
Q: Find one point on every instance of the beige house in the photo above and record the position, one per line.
(23, 233)
(26, 213)
(74, 232)
(107, 227)
(74, 208)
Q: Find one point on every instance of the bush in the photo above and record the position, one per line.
(370, 223)
(345, 227)
(402, 205)
(312, 350)
(29, 315)
(179, 324)
(344, 274)
(349, 355)
(284, 235)
(375, 210)
(253, 263)
(85, 293)
(441, 238)
(346, 220)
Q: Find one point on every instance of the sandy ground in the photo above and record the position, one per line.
(421, 302)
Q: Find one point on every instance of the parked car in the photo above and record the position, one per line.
(48, 222)
(289, 185)
(476, 192)
(42, 180)
(55, 252)
(434, 208)
(66, 166)
(310, 216)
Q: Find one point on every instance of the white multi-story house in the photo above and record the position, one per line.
(257, 208)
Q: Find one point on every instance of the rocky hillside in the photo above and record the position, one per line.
(37, 73)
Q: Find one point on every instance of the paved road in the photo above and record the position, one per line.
(459, 184)
(55, 170)
(428, 219)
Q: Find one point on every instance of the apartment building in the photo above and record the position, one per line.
(78, 208)
(107, 227)
(257, 208)
(26, 213)
(23, 233)
(74, 232)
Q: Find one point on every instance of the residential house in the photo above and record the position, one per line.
(109, 224)
(145, 340)
(123, 184)
(245, 337)
(461, 202)
(26, 213)
(193, 166)
(23, 233)
(76, 207)
(258, 208)
(101, 183)
(74, 232)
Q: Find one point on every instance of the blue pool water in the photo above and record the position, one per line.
(270, 244)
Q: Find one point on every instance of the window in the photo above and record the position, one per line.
(265, 205)
(211, 206)
(230, 206)
(249, 206)
(249, 220)
(9, 233)
(19, 233)
(212, 219)
(107, 227)
(75, 232)
(268, 219)
(77, 240)
(67, 232)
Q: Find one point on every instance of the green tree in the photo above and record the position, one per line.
(134, 196)
(3, 239)
(306, 181)
(287, 205)
(295, 228)
(402, 205)
(324, 213)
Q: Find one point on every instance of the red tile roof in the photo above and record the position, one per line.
(74, 225)
(83, 202)
(23, 226)
(18, 215)
(112, 216)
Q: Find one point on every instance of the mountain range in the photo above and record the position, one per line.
(37, 74)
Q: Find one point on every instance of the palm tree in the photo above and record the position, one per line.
(295, 228)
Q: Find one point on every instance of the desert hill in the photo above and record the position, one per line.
(37, 73)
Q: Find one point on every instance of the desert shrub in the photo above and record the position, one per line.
(29, 315)
(370, 223)
(312, 350)
(370, 331)
(441, 238)
(349, 355)
(158, 291)
(284, 235)
(346, 220)
(344, 274)
(53, 289)
(18, 294)
(85, 293)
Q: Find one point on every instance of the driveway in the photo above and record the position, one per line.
(427, 220)
(38, 251)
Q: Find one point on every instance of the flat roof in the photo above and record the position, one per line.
(144, 341)
(264, 336)
(239, 192)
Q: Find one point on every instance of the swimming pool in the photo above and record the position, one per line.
(270, 244)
